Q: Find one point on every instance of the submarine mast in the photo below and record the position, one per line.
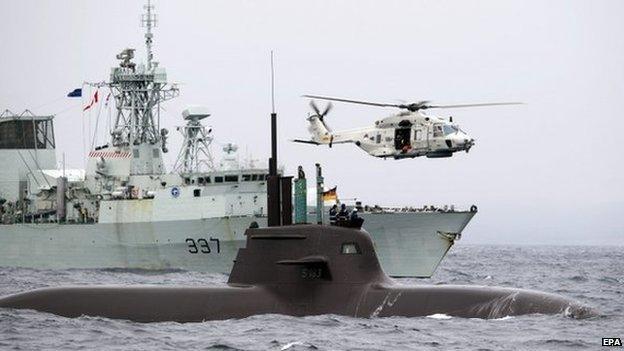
(273, 182)
(279, 189)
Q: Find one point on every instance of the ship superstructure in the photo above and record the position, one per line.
(126, 210)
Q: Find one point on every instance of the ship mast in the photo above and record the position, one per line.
(149, 19)
(195, 155)
(138, 91)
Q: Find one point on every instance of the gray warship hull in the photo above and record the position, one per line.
(408, 244)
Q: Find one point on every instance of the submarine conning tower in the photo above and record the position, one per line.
(307, 253)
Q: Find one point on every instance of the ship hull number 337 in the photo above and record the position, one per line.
(204, 246)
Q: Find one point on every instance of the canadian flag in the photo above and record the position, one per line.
(94, 100)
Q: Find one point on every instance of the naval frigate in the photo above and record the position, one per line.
(125, 210)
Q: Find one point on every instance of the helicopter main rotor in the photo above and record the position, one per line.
(412, 107)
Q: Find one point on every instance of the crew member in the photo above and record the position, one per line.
(355, 221)
(354, 215)
(343, 215)
(333, 212)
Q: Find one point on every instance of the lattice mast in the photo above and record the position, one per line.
(138, 91)
(195, 155)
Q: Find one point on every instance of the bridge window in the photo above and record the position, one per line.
(218, 179)
(26, 134)
(246, 177)
(231, 178)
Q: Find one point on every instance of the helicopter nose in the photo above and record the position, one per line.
(468, 143)
(461, 142)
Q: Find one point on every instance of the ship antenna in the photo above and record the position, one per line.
(272, 85)
(149, 21)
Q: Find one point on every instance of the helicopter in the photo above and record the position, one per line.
(408, 134)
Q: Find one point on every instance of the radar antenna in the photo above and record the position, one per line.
(195, 155)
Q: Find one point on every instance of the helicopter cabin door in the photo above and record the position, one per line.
(419, 139)
(402, 138)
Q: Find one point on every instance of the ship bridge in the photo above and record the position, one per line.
(27, 146)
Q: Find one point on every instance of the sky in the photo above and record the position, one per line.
(547, 172)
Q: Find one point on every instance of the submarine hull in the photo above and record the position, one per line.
(160, 304)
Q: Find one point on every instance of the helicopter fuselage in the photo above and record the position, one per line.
(404, 135)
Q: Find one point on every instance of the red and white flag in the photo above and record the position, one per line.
(94, 100)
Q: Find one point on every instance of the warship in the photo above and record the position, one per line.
(125, 210)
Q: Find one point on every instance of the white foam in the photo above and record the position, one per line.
(502, 318)
(291, 344)
(439, 316)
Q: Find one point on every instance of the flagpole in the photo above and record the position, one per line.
(84, 156)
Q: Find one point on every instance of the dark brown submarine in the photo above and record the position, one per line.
(297, 270)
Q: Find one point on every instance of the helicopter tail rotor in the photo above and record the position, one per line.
(321, 115)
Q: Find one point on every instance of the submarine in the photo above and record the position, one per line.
(297, 270)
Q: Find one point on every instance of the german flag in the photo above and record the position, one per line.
(330, 195)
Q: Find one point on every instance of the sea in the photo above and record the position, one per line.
(594, 275)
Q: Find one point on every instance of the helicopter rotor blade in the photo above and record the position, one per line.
(351, 101)
(472, 105)
(413, 107)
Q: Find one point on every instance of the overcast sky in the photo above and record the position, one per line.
(549, 171)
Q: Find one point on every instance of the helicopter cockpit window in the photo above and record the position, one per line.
(437, 130)
(448, 129)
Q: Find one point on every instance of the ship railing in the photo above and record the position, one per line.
(411, 209)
